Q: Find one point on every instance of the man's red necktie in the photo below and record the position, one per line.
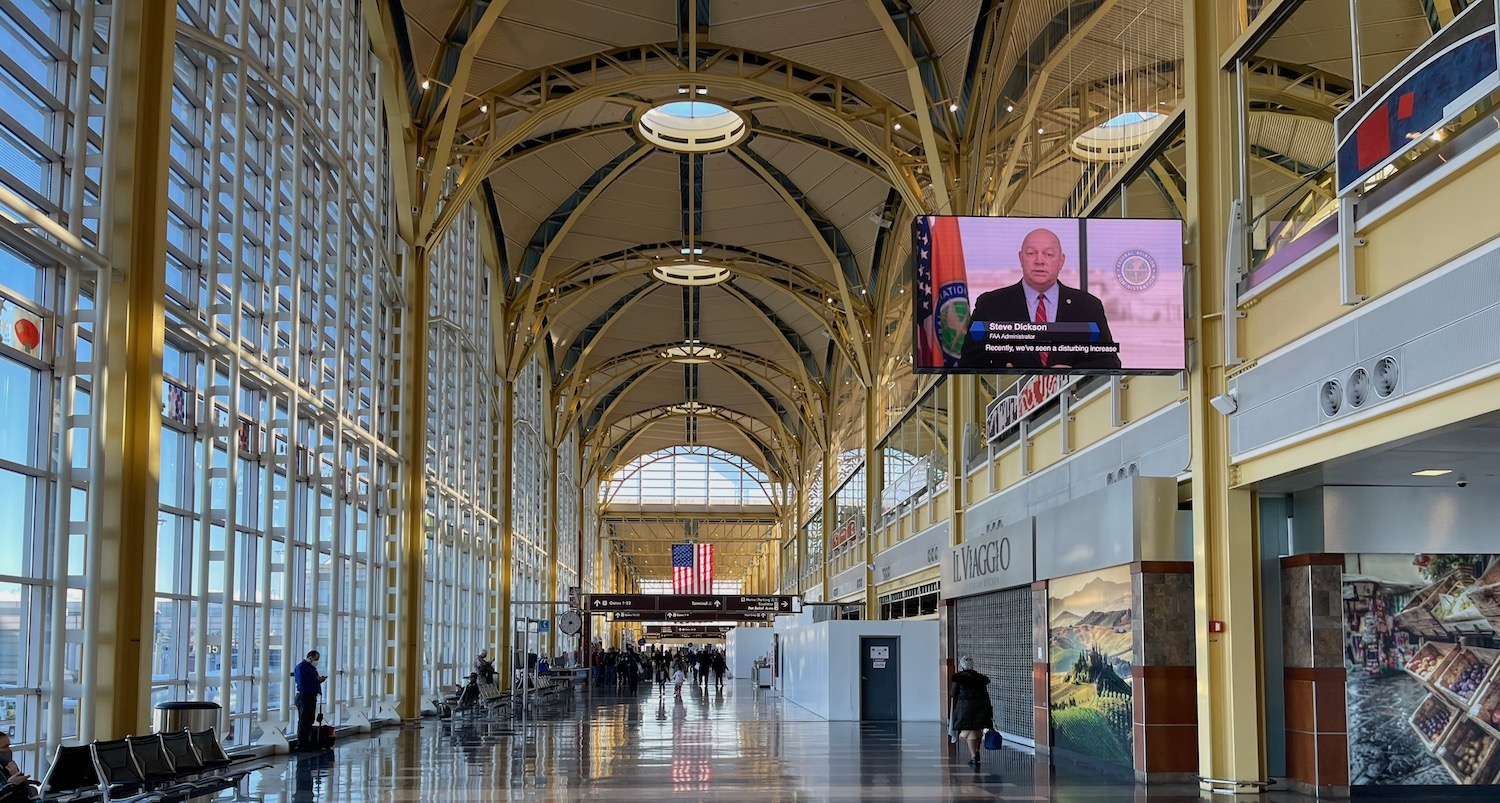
(1041, 317)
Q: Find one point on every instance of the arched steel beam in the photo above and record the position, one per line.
(811, 293)
(623, 432)
(538, 96)
(590, 334)
(800, 396)
(853, 156)
(599, 412)
(777, 437)
(831, 241)
(468, 36)
(899, 24)
(549, 234)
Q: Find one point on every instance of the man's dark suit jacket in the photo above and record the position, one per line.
(1009, 304)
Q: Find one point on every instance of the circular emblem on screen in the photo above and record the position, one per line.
(1136, 270)
(953, 317)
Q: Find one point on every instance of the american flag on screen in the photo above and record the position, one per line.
(692, 568)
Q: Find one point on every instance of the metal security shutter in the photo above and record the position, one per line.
(995, 630)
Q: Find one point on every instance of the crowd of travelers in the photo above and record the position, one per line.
(626, 669)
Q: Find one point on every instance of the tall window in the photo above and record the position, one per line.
(52, 101)
(690, 475)
(276, 447)
(463, 459)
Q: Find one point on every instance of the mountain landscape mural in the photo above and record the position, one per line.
(1091, 648)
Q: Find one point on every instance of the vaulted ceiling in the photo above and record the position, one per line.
(861, 113)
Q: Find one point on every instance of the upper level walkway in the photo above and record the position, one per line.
(738, 745)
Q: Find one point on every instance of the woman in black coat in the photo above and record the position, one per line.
(971, 712)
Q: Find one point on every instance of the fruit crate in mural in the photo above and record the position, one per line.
(1486, 595)
(1469, 753)
(1432, 719)
(1467, 672)
(1430, 660)
(1424, 615)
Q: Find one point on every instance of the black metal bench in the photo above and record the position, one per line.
(71, 777)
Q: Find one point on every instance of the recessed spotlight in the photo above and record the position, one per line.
(1432, 472)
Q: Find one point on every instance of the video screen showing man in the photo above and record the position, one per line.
(1016, 327)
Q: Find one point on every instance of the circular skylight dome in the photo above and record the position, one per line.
(692, 126)
(1117, 138)
(691, 274)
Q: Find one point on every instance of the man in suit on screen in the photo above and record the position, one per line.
(1038, 298)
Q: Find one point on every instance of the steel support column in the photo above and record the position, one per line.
(412, 415)
(127, 395)
(1225, 554)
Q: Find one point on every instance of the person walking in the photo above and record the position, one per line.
(309, 685)
(971, 712)
(720, 666)
(679, 677)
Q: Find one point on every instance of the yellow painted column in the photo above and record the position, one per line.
(413, 448)
(1231, 746)
(507, 542)
(872, 501)
(127, 396)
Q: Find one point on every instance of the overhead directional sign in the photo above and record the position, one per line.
(686, 631)
(766, 603)
(695, 603)
(687, 616)
(605, 603)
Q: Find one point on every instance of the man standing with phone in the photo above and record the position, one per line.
(309, 685)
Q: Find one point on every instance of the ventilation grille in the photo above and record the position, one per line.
(1387, 376)
(1360, 387)
(1331, 397)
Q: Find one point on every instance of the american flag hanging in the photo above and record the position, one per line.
(692, 568)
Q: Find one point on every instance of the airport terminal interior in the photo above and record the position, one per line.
(752, 400)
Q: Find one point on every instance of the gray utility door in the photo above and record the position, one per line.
(879, 678)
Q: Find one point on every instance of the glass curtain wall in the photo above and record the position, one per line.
(532, 475)
(53, 100)
(276, 463)
(461, 586)
(566, 555)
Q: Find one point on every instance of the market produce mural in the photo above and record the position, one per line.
(1423, 691)
(1091, 649)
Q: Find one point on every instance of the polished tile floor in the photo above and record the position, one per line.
(742, 745)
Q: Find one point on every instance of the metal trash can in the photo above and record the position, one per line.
(186, 715)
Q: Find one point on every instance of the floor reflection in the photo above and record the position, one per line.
(738, 744)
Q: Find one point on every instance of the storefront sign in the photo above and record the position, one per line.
(912, 555)
(1000, 557)
(1023, 399)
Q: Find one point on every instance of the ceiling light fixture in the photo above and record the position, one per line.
(682, 90)
(703, 90)
(426, 84)
(1009, 107)
(1432, 472)
(953, 107)
(896, 127)
(484, 108)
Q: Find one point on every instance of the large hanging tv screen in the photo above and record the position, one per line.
(1006, 295)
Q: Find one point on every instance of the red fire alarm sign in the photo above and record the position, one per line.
(1216, 627)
